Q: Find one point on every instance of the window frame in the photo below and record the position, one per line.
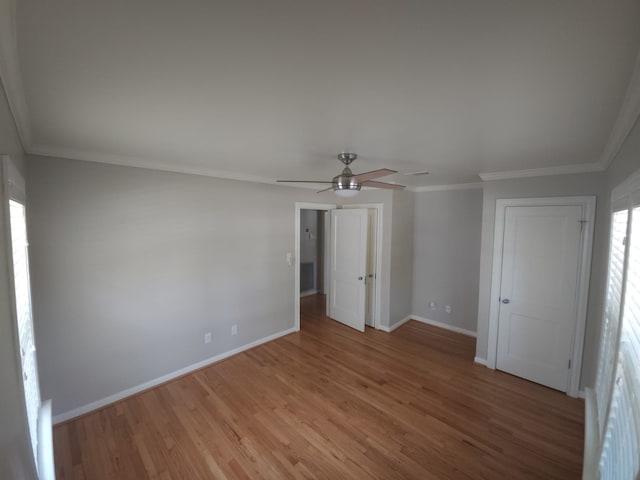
(624, 197)
(13, 188)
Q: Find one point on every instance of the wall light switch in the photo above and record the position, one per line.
(207, 337)
(289, 258)
(234, 329)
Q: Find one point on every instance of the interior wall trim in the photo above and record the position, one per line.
(391, 328)
(103, 402)
(480, 361)
(10, 73)
(441, 188)
(446, 326)
(627, 118)
(543, 172)
(428, 321)
(123, 161)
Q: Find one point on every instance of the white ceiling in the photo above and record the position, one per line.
(275, 89)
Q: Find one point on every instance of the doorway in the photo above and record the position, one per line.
(312, 266)
(539, 291)
(312, 252)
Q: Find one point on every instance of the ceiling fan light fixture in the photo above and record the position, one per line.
(345, 184)
(347, 193)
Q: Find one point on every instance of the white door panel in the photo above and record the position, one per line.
(538, 294)
(349, 230)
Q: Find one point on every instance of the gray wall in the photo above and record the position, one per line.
(401, 256)
(131, 267)
(15, 449)
(446, 252)
(560, 185)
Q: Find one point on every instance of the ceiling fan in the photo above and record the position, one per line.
(347, 184)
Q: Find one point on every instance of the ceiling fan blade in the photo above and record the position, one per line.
(326, 189)
(303, 181)
(383, 172)
(388, 186)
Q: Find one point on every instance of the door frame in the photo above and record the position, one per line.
(584, 269)
(296, 264)
(379, 207)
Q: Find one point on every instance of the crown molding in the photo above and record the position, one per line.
(10, 75)
(123, 161)
(137, 162)
(627, 118)
(443, 188)
(543, 172)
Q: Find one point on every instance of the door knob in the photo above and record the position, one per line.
(506, 300)
(359, 278)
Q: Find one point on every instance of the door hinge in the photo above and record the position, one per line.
(569, 364)
(624, 241)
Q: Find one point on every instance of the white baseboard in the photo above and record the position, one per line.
(76, 412)
(418, 318)
(390, 329)
(480, 361)
(446, 326)
(308, 293)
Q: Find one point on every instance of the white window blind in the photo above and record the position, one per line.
(620, 458)
(624, 423)
(24, 318)
(618, 375)
(609, 336)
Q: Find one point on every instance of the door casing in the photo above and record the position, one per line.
(584, 268)
(296, 263)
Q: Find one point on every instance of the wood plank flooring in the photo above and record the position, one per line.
(333, 403)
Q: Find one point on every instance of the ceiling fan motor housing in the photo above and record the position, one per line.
(346, 181)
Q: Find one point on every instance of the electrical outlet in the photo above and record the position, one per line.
(234, 329)
(432, 305)
(207, 337)
(447, 308)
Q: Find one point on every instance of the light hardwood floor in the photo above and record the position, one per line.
(333, 403)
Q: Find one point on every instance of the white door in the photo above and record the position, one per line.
(370, 279)
(538, 293)
(349, 230)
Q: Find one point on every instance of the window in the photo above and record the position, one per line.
(618, 377)
(609, 337)
(22, 297)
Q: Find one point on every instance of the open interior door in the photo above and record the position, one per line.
(349, 230)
